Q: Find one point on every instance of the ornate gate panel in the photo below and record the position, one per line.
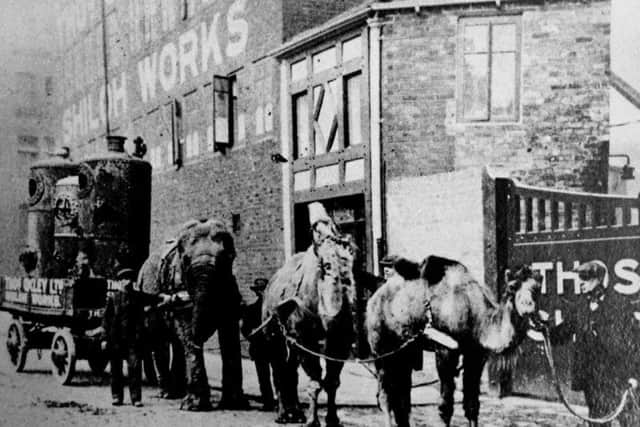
(555, 231)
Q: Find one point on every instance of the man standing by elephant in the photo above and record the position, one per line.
(605, 335)
(251, 319)
(123, 324)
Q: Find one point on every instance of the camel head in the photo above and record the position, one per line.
(523, 289)
(335, 253)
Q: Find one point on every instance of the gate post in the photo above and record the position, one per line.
(504, 228)
(500, 376)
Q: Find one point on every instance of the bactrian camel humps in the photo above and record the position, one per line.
(310, 300)
(444, 292)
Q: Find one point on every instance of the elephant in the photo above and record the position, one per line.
(192, 277)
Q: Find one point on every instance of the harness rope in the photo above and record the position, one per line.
(363, 362)
(293, 341)
(628, 393)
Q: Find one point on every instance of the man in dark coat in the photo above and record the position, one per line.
(606, 343)
(251, 319)
(123, 324)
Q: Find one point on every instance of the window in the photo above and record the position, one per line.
(168, 10)
(149, 14)
(168, 128)
(328, 99)
(224, 111)
(301, 126)
(185, 10)
(489, 69)
(192, 122)
(48, 85)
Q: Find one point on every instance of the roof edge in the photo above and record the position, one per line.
(323, 30)
(362, 12)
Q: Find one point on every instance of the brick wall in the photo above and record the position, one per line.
(564, 97)
(300, 15)
(440, 214)
(243, 183)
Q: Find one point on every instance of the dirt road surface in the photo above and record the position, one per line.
(34, 399)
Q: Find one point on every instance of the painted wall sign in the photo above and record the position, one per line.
(197, 51)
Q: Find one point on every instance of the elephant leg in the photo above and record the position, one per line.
(232, 391)
(446, 365)
(149, 368)
(473, 363)
(178, 368)
(160, 357)
(198, 394)
(331, 383)
(312, 367)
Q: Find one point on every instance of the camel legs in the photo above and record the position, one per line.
(473, 363)
(447, 365)
(285, 378)
(394, 391)
(312, 367)
(384, 389)
(331, 384)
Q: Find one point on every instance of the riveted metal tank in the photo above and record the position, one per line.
(65, 227)
(42, 208)
(114, 197)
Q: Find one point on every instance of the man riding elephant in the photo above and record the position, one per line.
(199, 296)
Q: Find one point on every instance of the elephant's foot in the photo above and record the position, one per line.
(332, 421)
(196, 404)
(473, 422)
(237, 404)
(292, 416)
(167, 394)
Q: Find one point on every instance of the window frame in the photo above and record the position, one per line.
(231, 106)
(339, 73)
(490, 21)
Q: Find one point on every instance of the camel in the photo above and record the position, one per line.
(443, 293)
(310, 300)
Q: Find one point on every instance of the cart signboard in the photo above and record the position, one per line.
(37, 295)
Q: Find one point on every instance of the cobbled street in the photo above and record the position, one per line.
(34, 399)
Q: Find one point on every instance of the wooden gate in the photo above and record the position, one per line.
(555, 231)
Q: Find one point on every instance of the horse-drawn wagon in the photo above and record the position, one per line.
(83, 213)
(55, 314)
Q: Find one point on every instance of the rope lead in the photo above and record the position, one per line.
(628, 393)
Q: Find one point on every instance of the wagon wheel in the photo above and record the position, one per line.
(17, 345)
(63, 356)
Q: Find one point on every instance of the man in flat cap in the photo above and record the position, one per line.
(123, 331)
(251, 319)
(605, 335)
(388, 266)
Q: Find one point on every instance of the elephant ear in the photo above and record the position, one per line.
(184, 233)
(221, 233)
